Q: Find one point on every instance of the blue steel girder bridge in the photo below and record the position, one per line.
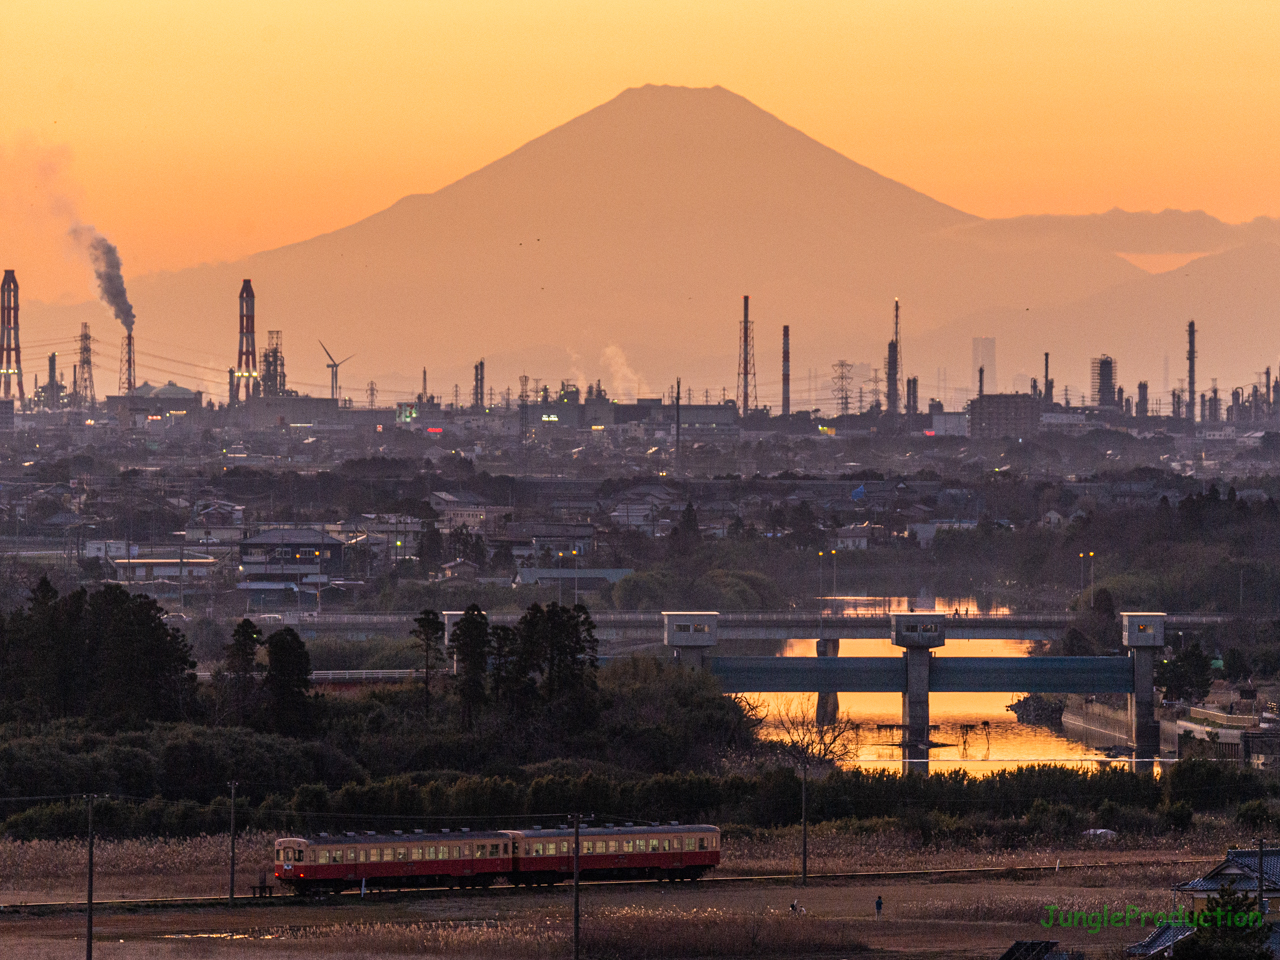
(704, 638)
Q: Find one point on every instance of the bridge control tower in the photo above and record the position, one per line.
(918, 634)
(1143, 634)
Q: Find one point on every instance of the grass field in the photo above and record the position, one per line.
(41, 871)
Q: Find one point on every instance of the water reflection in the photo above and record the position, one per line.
(968, 731)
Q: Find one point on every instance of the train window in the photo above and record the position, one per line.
(505, 849)
(364, 854)
(324, 856)
(288, 855)
(337, 856)
(586, 846)
(627, 846)
(457, 852)
(431, 853)
(613, 846)
(311, 855)
(653, 845)
(493, 849)
(279, 855)
(564, 846)
(527, 848)
(388, 854)
(467, 851)
(417, 853)
(689, 843)
(666, 845)
(481, 850)
(702, 843)
(537, 849)
(401, 853)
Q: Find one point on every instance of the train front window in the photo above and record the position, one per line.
(279, 855)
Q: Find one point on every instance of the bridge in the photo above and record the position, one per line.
(700, 638)
(640, 628)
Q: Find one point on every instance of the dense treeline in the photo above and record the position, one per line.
(106, 656)
(1211, 552)
(1014, 804)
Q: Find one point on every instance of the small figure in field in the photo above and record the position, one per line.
(796, 908)
(879, 906)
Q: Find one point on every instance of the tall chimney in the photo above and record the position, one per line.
(786, 371)
(1191, 370)
(982, 373)
(10, 347)
(247, 357)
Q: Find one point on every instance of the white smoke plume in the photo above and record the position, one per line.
(106, 267)
(624, 379)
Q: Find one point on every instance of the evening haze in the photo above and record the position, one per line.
(618, 245)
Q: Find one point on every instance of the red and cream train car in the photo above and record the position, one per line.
(477, 859)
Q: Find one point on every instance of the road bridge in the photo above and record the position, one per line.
(639, 628)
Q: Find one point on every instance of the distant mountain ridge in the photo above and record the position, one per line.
(618, 246)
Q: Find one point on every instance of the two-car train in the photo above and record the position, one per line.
(466, 858)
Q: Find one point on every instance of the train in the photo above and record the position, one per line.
(466, 858)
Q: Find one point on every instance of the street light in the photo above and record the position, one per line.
(575, 578)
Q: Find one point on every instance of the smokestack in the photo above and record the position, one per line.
(982, 373)
(10, 346)
(1191, 370)
(247, 358)
(786, 371)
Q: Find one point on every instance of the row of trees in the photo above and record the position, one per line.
(547, 659)
(264, 696)
(107, 656)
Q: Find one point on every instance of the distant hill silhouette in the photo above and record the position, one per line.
(618, 246)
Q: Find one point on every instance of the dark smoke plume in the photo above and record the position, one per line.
(106, 267)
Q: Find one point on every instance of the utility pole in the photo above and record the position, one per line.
(577, 911)
(88, 937)
(231, 891)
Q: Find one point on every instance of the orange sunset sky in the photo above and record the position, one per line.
(191, 132)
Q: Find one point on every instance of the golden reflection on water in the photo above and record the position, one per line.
(976, 731)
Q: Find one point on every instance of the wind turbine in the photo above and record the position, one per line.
(333, 366)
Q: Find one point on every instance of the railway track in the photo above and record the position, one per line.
(177, 903)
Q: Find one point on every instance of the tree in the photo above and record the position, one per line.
(559, 643)
(428, 636)
(1234, 930)
(469, 643)
(240, 671)
(686, 533)
(139, 664)
(287, 681)
(1188, 675)
(430, 548)
(806, 742)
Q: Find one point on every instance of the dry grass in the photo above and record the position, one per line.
(843, 848)
(625, 933)
(55, 869)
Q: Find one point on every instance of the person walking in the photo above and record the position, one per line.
(879, 906)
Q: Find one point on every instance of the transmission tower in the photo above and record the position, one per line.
(371, 391)
(842, 385)
(875, 389)
(83, 387)
(747, 400)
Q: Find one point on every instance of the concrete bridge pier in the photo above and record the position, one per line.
(828, 700)
(1144, 636)
(917, 634)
